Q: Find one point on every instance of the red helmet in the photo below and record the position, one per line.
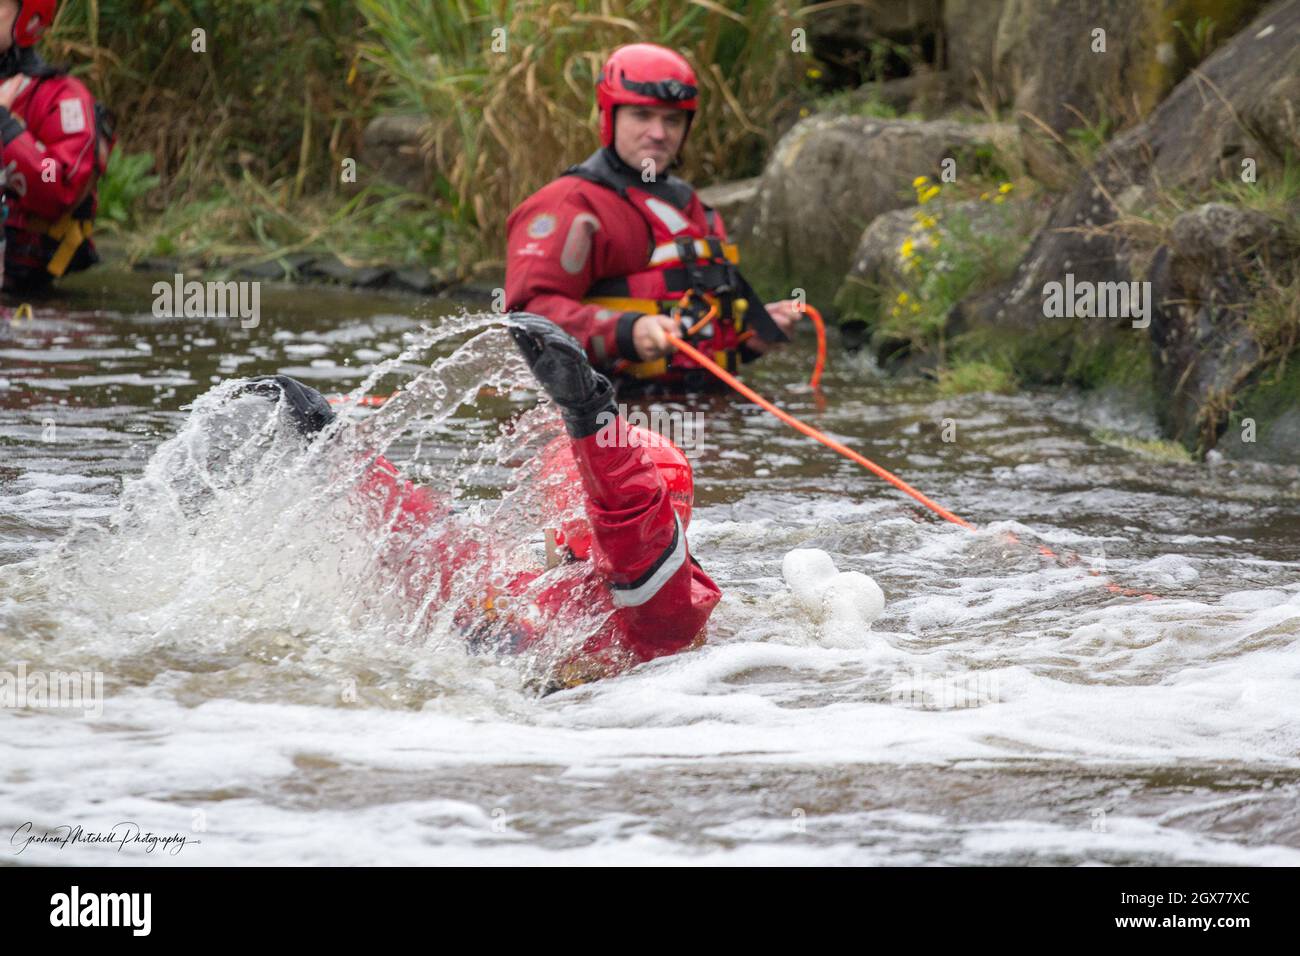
(33, 18)
(644, 74)
(563, 485)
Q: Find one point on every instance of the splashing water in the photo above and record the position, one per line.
(241, 538)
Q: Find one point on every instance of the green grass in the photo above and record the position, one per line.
(1160, 449)
(963, 377)
(1273, 318)
(851, 103)
(122, 188)
(245, 220)
(1275, 192)
(504, 123)
(283, 91)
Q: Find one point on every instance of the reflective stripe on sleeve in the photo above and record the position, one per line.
(648, 585)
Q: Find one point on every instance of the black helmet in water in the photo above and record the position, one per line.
(307, 407)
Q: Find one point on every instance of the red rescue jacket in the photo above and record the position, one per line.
(641, 596)
(51, 142)
(598, 248)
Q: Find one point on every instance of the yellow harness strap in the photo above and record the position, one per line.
(70, 232)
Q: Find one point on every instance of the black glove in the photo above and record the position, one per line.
(561, 367)
(308, 407)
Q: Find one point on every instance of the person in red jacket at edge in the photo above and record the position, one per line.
(608, 250)
(55, 142)
(649, 595)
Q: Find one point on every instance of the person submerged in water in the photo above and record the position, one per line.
(637, 583)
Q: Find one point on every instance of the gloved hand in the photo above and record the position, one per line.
(561, 367)
(308, 408)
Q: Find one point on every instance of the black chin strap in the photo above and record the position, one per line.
(26, 60)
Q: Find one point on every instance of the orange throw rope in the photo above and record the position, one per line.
(366, 401)
(813, 433)
(871, 466)
(374, 401)
(820, 326)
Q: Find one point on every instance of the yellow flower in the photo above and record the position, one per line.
(928, 194)
(1004, 188)
(902, 298)
(984, 197)
(907, 249)
(999, 200)
(814, 73)
(920, 181)
(803, 111)
(927, 222)
(915, 308)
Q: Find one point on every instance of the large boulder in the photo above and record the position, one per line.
(877, 261)
(1240, 105)
(1066, 64)
(970, 35)
(830, 176)
(731, 199)
(1203, 348)
(943, 236)
(1198, 135)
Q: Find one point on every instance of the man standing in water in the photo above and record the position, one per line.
(609, 249)
(55, 142)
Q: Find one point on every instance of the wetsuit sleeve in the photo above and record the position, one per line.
(551, 264)
(54, 153)
(663, 598)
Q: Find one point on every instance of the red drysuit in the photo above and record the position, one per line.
(653, 598)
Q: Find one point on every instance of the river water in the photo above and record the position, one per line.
(266, 696)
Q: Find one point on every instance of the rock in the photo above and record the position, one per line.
(1047, 52)
(732, 199)
(1196, 136)
(1202, 346)
(415, 280)
(1039, 57)
(370, 277)
(877, 260)
(845, 37)
(165, 264)
(332, 269)
(828, 178)
(970, 34)
(271, 271)
(393, 146)
(925, 91)
(1179, 147)
(878, 265)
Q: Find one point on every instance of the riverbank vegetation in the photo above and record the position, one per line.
(233, 142)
